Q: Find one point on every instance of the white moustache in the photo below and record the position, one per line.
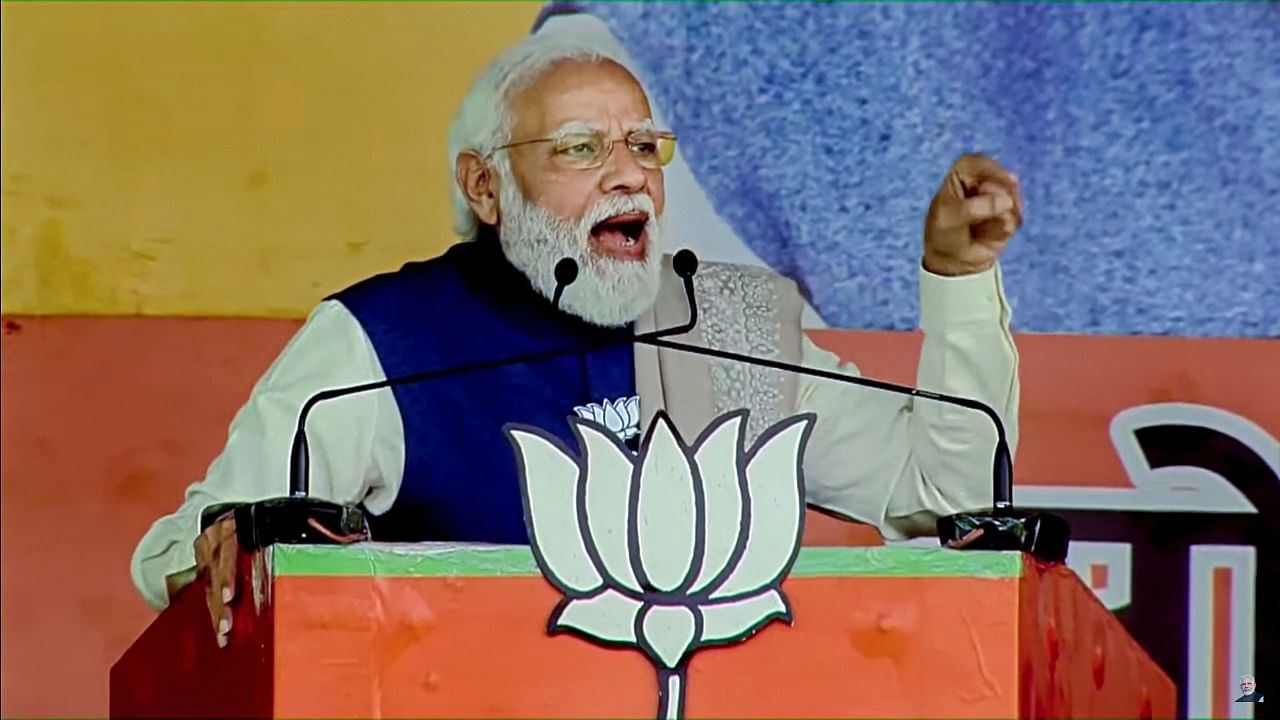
(613, 205)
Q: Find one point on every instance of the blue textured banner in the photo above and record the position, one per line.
(1146, 136)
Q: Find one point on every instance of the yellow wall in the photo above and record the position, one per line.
(228, 158)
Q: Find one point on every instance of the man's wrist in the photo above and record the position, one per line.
(948, 301)
(951, 267)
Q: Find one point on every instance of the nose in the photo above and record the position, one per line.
(620, 173)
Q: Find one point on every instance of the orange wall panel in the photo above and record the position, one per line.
(105, 422)
(1073, 385)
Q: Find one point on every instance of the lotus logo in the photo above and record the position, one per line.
(671, 549)
(621, 416)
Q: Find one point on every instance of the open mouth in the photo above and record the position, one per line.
(622, 236)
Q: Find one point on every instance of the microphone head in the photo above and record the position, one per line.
(566, 271)
(685, 263)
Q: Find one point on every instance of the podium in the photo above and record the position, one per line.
(449, 630)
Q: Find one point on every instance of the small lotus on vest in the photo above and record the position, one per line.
(621, 416)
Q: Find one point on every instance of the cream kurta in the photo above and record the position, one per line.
(880, 458)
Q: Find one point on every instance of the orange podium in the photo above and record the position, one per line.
(448, 630)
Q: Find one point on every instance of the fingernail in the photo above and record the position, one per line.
(226, 594)
(222, 641)
(224, 626)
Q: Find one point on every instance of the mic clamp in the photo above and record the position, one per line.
(299, 518)
(1042, 535)
(295, 520)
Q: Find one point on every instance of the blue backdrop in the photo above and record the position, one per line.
(1147, 138)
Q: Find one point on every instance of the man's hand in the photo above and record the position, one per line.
(973, 216)
(216, 551)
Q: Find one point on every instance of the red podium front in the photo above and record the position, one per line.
(461, 631)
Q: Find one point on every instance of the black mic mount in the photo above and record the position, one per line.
(301, 519)
(1042, 535)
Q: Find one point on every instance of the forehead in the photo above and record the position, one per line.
(599, 93)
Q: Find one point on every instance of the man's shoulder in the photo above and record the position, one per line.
(746, 295)
(745, 281)
(415, 276)
(720, 269)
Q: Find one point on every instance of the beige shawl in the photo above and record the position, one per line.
(742, 309)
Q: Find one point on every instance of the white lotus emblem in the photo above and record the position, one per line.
(621, 416)
(671, 549)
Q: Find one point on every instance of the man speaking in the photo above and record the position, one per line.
(556, 154)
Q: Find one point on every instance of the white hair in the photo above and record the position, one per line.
(485, 121)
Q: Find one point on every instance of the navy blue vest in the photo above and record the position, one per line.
(470, 305)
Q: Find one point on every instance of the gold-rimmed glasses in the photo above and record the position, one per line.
(587, 149)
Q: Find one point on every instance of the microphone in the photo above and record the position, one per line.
(566, 273)
(299, 518)
(685, 264)
(1042, 535)
(302, 519)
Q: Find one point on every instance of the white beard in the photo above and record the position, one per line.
(609, 291)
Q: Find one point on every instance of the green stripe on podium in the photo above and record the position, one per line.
(446, 560)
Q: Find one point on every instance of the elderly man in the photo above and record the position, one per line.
(556, 155)
(1249, 690)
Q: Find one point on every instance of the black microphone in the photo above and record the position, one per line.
(1042, 535)
(299, 518)
(302, 519)
(685, 264)
(566, 273)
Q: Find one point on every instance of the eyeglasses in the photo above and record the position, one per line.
(651, 149)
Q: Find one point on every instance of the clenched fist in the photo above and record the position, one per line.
(973, 216)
